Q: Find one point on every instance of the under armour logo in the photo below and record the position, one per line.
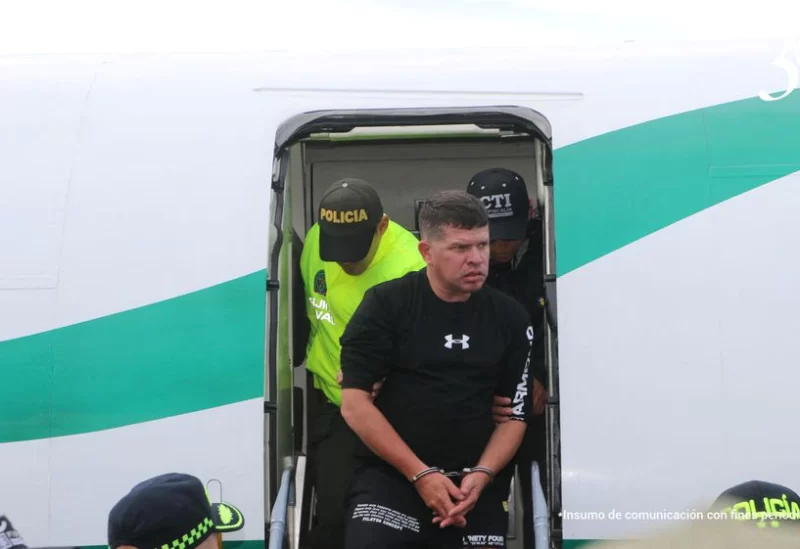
(449, 341)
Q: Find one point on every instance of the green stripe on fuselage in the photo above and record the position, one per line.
(206, 349)
(190, 353)
(619, 187)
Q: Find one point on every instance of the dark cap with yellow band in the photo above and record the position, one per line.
(349, 214)
(171, 511)
(765, 503)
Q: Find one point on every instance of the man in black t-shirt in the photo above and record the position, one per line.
(445, 344)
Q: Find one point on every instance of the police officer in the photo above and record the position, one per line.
(170, 510)
(516, 268)
(761, 502)
(352, 247)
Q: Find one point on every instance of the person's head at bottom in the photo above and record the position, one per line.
(351, 224)
(10, 538)
(764, 504)
(454, 242)
(504, 194)
(170, 511)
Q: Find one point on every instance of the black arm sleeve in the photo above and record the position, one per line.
(515, 375)
(367, 342)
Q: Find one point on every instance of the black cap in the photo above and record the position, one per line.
(766, 502)
(171, 511)
(505, 196)
(9, 537)
(349, 213)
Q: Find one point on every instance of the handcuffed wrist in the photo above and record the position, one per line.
(424, 472)
(480, 469)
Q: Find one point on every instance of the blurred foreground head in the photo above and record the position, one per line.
(711, 534)
(9, 537)
(764, 504)
(751, 515)
(170, 511)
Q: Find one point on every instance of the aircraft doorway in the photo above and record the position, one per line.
(406, 154)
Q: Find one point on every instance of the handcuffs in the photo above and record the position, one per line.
(461, 473)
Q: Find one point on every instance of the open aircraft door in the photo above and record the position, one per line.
(313, 145)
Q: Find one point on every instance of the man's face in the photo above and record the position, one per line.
(355, 268)
(503, 251)
(459, 258)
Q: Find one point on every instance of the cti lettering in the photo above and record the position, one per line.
(498, 205)
(497, 200)
(321, 310)
(348, 216)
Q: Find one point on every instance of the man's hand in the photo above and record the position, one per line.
(376, 388)
(472, 486)
(502, 405)
(438, 493)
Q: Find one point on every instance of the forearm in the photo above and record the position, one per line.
(503, 445)
(377, 433)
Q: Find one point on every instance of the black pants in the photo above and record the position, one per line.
(385, 511)
(330, 448)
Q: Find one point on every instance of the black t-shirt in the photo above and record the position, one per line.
(443, 363)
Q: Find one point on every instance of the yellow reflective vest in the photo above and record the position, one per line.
(332, 297)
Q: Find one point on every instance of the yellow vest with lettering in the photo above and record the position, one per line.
(332, 297)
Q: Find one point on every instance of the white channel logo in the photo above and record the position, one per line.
(788, 60)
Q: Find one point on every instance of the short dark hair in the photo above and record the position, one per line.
(453, 208)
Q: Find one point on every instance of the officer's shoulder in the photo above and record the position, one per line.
(310, 244)
(403, 238)
(532, 258)
(312, 232)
